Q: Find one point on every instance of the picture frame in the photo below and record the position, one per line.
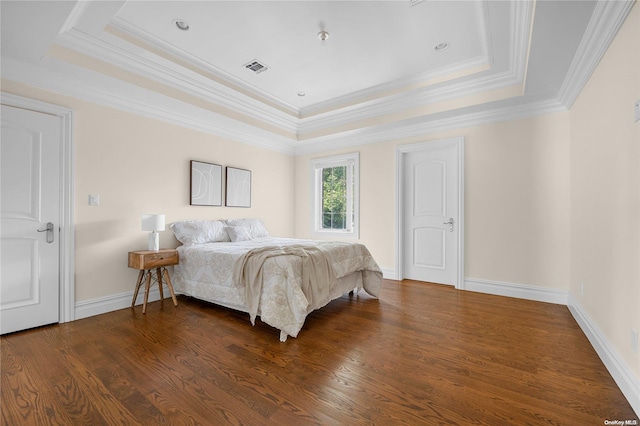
(205, 184)
(238, 193)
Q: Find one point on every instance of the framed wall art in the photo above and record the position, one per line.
(206, 184)
(238, 192)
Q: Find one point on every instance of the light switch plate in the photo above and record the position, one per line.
(636, 111)
(94, 199)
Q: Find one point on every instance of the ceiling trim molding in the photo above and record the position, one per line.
(520, 27)
(362, 97)
(256, 93)
(169, 111)
(94, 47)
(333, 105)
(522, 17)
(392, 89)
(226, 97)
(77, 12)
(225, 127)
(605, 23)
(99, 49)
(404, 102)
(398, 131)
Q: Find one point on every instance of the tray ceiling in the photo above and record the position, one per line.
(385, 69)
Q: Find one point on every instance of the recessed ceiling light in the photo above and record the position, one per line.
(323, 36)
(181, 24)
(301, 94)
(441, 47)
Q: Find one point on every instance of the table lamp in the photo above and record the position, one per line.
(153, 223)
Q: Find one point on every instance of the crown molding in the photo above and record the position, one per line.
(522, 17)
(224, 96)
(283, 116)
(382, 91)
(405, 102)
(520, 28)
(361, 105)
(402, 130)
(259, 95)
(386, 90)
(76, 13)
(159, 107)
(605, 23)
(183, 115)
(256, 93)
(209, 91)
(94, 47)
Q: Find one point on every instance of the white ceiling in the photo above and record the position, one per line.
(370, 43)
(377, 76)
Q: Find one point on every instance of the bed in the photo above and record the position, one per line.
(237, 264)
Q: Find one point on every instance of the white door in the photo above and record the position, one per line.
(30, 202)
(431, 211)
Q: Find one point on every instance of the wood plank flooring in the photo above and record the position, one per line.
(422, 354)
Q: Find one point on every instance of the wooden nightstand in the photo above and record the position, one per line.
(146, 261)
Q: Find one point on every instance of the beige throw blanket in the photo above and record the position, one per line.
(317, 273)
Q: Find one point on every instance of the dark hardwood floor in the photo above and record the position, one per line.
(422, 354)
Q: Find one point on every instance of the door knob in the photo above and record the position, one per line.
(450, 223)
(49, 231)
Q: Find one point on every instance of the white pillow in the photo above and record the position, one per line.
(255, 227)
(191, 232)
(238, 233)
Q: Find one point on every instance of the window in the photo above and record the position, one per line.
(336, 182)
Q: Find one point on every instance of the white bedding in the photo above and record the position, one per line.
(205, 271)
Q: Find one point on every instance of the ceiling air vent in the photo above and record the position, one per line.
(256, 67)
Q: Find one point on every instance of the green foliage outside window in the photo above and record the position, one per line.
(334, 197)
(335, 190)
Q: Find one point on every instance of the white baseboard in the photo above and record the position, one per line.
(619, 370)
(625, 379)
(388, 274)
(519, 291)
(102, 305)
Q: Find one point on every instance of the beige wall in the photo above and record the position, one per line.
(516, 200)
(139, 165)
(605, 196)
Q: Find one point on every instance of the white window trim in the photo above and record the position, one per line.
(316, 192)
